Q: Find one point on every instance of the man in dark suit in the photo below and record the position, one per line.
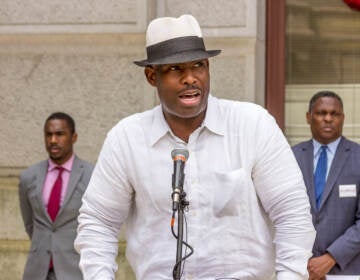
(50, 195)
(334, 196)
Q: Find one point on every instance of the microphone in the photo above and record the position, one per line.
(179, 157)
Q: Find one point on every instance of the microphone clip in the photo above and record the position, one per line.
(179, 200)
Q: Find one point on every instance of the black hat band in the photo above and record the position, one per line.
(174, 46)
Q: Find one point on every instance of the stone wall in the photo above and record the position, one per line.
(76, 56)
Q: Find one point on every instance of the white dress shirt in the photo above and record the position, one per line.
(249, 215)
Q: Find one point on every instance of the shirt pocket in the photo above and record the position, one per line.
(230, 192)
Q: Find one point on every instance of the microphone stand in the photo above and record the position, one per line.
(179, 157)
(182, 204)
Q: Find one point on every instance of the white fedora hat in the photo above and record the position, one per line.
(174, 40)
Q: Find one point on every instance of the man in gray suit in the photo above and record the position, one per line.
(335, 203)
(50, 195)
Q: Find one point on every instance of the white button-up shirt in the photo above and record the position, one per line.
(249, 215)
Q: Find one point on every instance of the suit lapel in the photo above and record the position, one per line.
(340, 158)
(40, 181)
(308, 170)
(76, 172)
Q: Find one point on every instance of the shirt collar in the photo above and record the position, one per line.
(159, 126)
(67, 165)
(331, 146)
(212, 121)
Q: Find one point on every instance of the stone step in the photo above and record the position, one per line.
(13, 254)
(12, 226)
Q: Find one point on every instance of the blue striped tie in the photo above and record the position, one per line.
(320, 175)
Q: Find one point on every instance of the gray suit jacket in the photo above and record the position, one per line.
(337, 222)
(48, 237)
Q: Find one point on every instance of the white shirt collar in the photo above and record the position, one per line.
(331, 146)
(212, 121)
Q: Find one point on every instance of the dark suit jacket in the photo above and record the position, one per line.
(48, 237)
(337, 222)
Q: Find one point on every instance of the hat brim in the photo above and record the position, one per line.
(180, 57)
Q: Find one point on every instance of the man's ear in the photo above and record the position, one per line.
(150, 75)
(308, 117)
(74, 138)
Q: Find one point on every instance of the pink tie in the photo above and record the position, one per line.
(54, 200)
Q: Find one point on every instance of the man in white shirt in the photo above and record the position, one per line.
(248, 215)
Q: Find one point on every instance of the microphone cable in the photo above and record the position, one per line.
(187, 246)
